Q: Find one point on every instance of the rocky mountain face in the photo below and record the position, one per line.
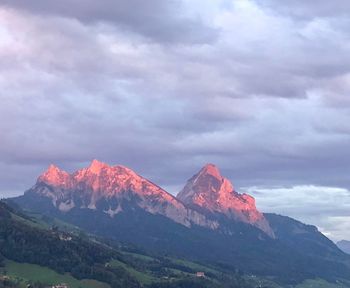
(206, 199)
(112, 189)
(344, 245)
(210, 193)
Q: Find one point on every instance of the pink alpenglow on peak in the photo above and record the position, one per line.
(113, 188)
(96, 166)
(209, 191)
(102, 178)
(54, 176)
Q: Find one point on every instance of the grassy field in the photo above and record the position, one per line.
(26, 273)
(142, 277)
(33, 273)
(194, 266)
(140, 256)
(319, 283)
(29, 222)
(48, 222)
(146, 277)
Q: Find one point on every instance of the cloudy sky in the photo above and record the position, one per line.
(258, 87)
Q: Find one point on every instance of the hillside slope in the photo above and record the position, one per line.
(320, 253)
(32, 252)
(26, 243)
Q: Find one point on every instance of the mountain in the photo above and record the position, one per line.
(208, 221)
(112, 189)
(209, 193)
(344, 245)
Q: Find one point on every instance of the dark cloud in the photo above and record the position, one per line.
(163, 21)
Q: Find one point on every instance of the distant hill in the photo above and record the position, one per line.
(344, 245)
(306, 238)
(319, 252)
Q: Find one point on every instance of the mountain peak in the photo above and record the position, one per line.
(54, 176)
(96, 166)
(212, 170)
(53, 169)
(100, 180)
(204, 187)
(211, 192)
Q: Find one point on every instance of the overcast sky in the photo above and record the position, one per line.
(260, 88)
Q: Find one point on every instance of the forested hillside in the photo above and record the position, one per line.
(25, 243)
(21, 242)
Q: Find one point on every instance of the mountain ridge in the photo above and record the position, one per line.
(101, 186)
(109, 188)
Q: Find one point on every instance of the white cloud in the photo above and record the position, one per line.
(326, 207)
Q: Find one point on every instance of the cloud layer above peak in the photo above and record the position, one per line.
(257, 87)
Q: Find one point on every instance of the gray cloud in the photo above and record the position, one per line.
(263, 94)
(307, 8)
(157, 19)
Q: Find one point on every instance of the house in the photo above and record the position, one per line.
(65, 237)
(63, 285)
(200, 274)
